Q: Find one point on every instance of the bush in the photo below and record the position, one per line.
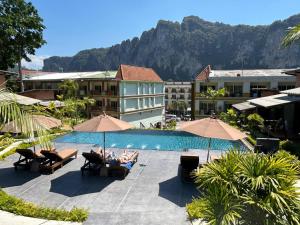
(20, 207)
(255, 122)
(248, 188)
(251, 140)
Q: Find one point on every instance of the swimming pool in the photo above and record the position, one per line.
(149, 140)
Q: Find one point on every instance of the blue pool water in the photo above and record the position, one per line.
(149, 140)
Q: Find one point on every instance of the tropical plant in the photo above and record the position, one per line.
(21, 32)
(75, 108)
(230, 116)
(292, 36)
(255, 122)
(212, 94)
(69, 88)
(10, 110)
(248, 188)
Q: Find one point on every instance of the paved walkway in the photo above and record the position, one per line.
(151, 194)
(7, 218)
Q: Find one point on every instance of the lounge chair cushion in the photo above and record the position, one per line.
(66, 153)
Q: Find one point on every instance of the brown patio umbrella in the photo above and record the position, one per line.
(212, 128)
(103, 123)
(44, 121)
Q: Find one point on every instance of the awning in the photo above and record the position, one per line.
(57, 103)
(292, 92)
(274, 100)
(22, 100)
(244, 106)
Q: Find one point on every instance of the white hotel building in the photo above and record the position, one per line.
(240, 85)
(133, 94)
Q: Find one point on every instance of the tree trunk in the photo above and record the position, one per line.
(20, 75)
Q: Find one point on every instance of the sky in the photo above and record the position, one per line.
(74, 25)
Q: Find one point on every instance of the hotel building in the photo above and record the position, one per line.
(133, 94)
(178, 92)
(240, 85)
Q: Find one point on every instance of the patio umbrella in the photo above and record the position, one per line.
(44, 121)
(103, 123)
(212, 128)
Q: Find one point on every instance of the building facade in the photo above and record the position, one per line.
(133, 94)
(240, 85)
(176, 92)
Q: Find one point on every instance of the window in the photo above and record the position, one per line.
(173, 90)
(206, 108)
(204, 87)
(255, 89)
(99, 103)
(114, 104)
(181, 97)
(113, 90)
(181, 90)
(98, 88)
(234, 90)
(174, 97)
(282, 87)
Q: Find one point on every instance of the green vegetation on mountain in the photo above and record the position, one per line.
(179, 50)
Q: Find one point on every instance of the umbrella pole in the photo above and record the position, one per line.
(104, 147)
(209, 145)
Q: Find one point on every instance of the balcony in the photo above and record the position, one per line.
(105, 108)
(106, 93)
(234, 94)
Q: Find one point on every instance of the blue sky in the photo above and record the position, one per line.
(74, 25)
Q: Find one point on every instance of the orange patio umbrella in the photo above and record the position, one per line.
(103, 123)
(212, 128)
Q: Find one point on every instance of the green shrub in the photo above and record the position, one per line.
(254, 122)
(248, 188)
(20, 207)
(251, 140)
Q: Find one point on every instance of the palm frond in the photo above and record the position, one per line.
(10, 111)
(292, 36)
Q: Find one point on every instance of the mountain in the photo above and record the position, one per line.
(178, 51)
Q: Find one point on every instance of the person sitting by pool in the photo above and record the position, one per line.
(100, 151)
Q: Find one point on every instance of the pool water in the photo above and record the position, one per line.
(149, 140)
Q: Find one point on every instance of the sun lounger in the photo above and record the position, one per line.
(120, 167)
(93, 162)
(188, 162)
(27, 157)
(56, 159)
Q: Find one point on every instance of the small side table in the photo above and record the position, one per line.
(104, 171)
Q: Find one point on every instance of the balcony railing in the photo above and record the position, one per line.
(107, 93)
(234, 94)
(105, 108)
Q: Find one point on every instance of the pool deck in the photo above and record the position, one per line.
(152, 193)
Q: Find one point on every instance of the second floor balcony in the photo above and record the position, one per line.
(106, 93)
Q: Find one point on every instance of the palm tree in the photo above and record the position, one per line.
(292, 36)
(10, 110)
(248, 188)
(212, 94)
(69, 88)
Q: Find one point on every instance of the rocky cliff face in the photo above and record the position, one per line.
(178, 51)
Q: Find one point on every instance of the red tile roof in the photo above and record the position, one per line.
(135, 73)
(204, 74)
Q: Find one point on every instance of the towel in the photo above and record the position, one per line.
(127, 165)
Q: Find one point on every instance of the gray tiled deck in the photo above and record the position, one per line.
(151, 194)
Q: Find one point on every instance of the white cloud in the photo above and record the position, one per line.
(37, 62)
